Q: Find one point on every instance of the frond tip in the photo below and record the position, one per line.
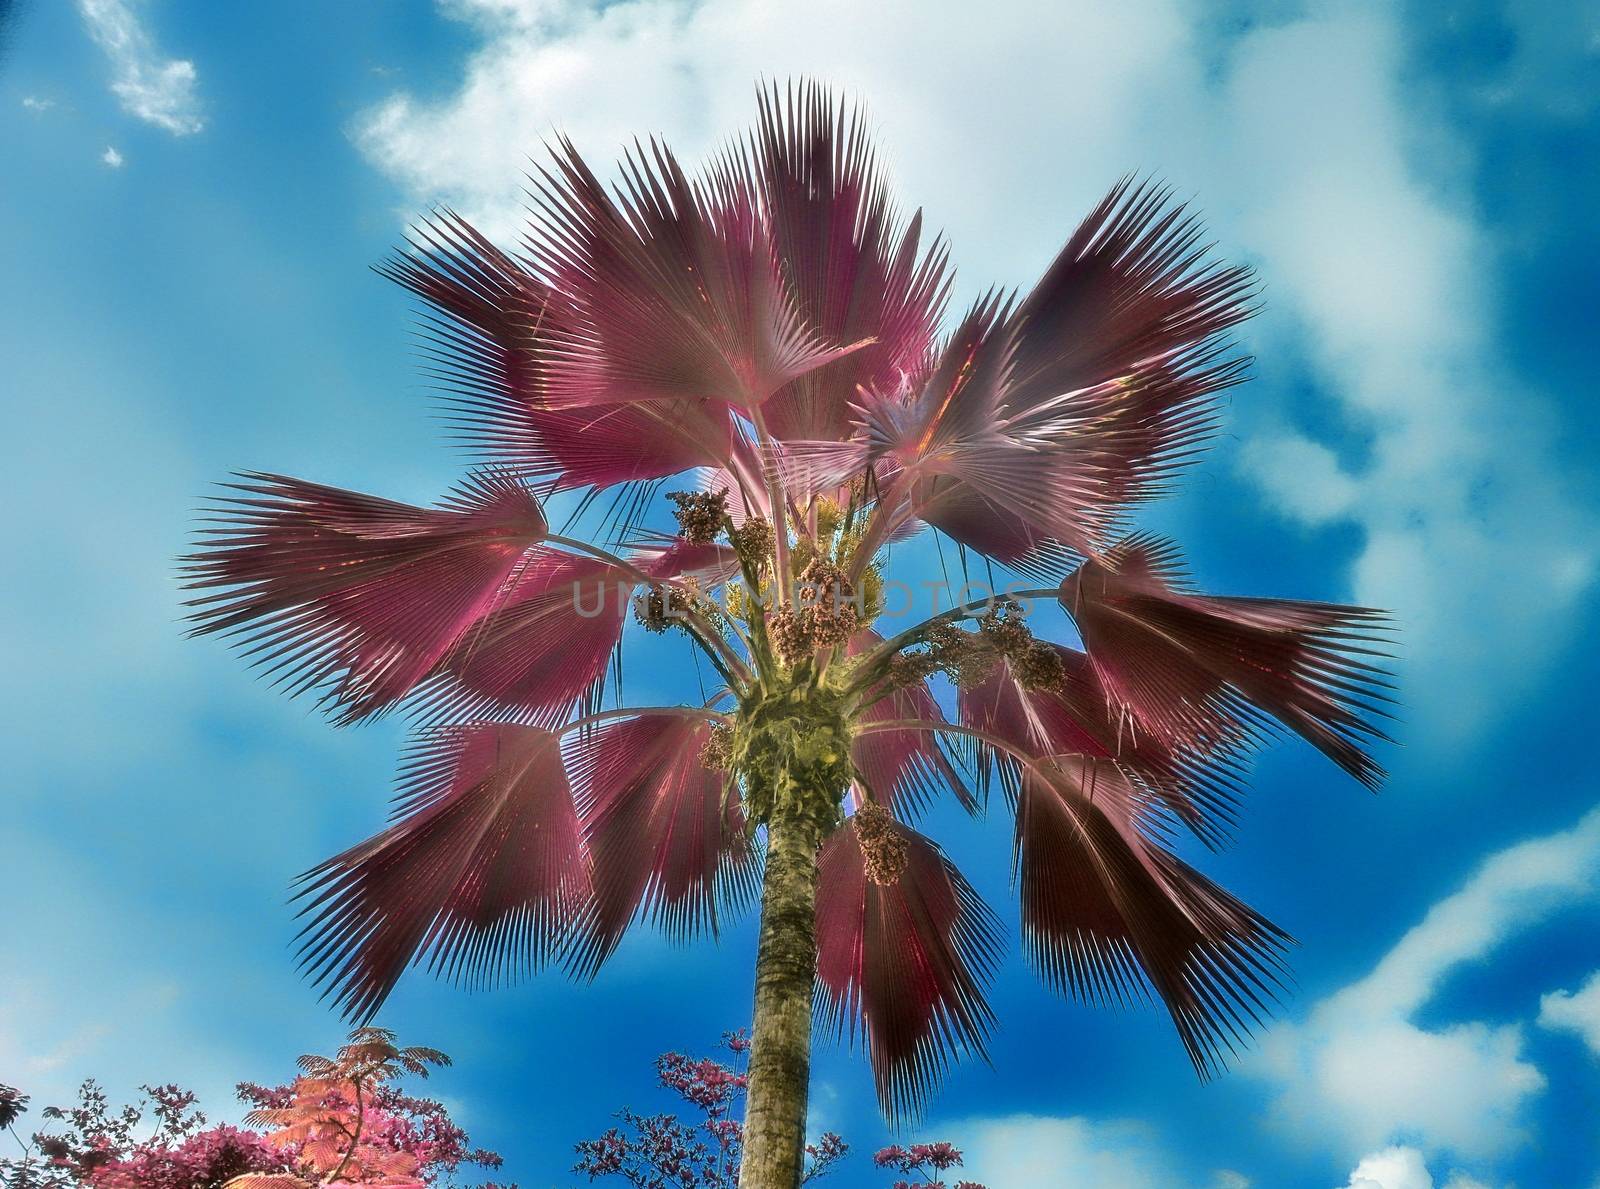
(1203, 672)
(351, 594)
(481, 874)
(1107, 913)
(906, 962)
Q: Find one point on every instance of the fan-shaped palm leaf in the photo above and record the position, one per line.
(481, 874)
(853, 269)
(904, 962)
(1202, 671)
(1106, 911)
(482, 338)
(357, 595)
(665, 832)
(1074, 717)
(542, 649)
(675, 289)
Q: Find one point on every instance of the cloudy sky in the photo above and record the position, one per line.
(192, 196)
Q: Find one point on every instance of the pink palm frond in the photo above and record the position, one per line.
(978, 522)
(856, 272)
(480, 876)
(351, 594)
(1040, 422)
(964, 470)
(662, 556)
(665, 833)
(541, 651)
(905, 963)
(1203, 672)
(1076, 718)
(1107, 913)
(676, 290)
(481, 339)
(1132, 288)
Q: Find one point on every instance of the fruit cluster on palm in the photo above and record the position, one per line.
(773, 328)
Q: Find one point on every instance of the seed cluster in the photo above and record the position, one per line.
(650, 609)
(969, 657)
(790, 639)
(753, 540)
(1038, 667)
(717, 751)
(828, 598)
(700, 514)
(826, 613)
(883, 847)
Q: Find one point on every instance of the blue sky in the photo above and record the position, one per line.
(192, 197)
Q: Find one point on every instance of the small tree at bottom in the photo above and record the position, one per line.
(664, 1151)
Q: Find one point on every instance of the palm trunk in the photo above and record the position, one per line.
(786, 967)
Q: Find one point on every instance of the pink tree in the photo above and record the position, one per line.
(927, 1162)
(773, 326)
(661, 1151)
(344, 1121)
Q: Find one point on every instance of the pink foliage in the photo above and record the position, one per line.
(163, 1141)
(662, 1151)
(203, 1161)
(927, 1161)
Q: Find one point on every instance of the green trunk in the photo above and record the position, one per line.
(786, 967)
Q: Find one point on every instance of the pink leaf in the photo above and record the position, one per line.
(542, 650)
(483, 344)
(675, 287)
(480, 875)
(853, 267)
(1201, 671)
(666, 833)
(1105, 910)
(1201, 790)
(353, 594)
(905, 962)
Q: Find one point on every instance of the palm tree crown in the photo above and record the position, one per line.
(773, 326)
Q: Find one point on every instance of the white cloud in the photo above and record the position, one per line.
(1391, 282)
(111, 157)
(1035, 1150)
(1575, 1011)
(1307, 147)
(35, 103)
(1041, 1150)
(1402, 1168)
(1392, 1168)
(1305, 476)
(1360, 1072)
(154, 88)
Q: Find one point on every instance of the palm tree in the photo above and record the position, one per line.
(773, 326)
